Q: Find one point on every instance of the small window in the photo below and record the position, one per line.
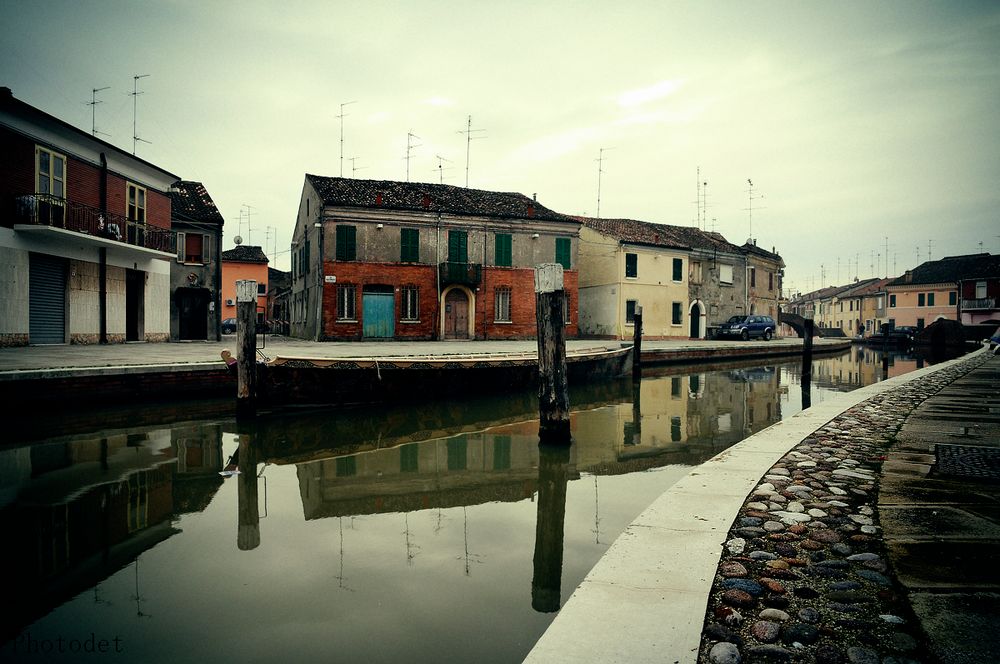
(676, 313)
(501, 304)
(409, 245)
(630, 311)
(458, 247)
(631, 266)
(347, 295)
(136, 197)
(770, 281)
(50, 171)
(678, 269)
(726, 274)
(980, 290)
(920, 299)
(409, 458)
(892, 300)
(753, 276)
(675, 429)
(695, 272)
(409, 303)
(502, 255)
(563, 252)
(347, 247)
(930, 299)
(261, 289)
(953, 298)
(194, 248)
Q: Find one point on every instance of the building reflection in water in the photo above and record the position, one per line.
(553, 475)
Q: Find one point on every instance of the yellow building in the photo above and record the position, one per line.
(625, 264)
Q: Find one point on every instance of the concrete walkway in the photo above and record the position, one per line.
(645, 600)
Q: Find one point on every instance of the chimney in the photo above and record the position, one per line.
(534, 196)
(378, 199)
(427, 201)
(6, 92)
(531, 210)
(908, 277)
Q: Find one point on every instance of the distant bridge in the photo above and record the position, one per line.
(798, 323)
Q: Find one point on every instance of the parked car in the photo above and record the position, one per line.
(747, 327)
(229, 326)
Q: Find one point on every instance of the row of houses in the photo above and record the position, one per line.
(961, 288)
(100, 246)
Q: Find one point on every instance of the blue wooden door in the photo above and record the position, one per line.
(378, 314)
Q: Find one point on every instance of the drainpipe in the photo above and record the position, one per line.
(320, 272)
(103, 253)
(218, 285)
(482, 282)
(437, 272)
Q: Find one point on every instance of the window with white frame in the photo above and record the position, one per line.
(347, 295)
(726, 274)
(194, 248)
(409, 303)
(501, 304)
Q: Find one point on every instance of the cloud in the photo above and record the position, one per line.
(652, 93)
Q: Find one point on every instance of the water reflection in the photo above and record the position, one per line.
(433, 511)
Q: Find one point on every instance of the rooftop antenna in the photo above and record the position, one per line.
(440, 167)
(93, 113)
(409, 147)
(271, 233)
(354, 167)
(135, 96)
(249, 211)
(750, 208)
(341, 118)
(929, 249)
(469, 131)
(600, 171)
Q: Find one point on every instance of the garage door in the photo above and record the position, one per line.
(46, 299)
(378, 311)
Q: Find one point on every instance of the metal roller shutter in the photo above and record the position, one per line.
(46, 300)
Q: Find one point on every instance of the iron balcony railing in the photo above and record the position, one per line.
(48, 210)
(979, 303)
(466, 274)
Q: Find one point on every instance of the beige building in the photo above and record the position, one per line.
(625, 264)
(764, 272)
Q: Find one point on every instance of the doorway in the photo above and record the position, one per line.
(192, 313)
(695, 316)
(378, 312)
(135, 286)
(456, 315)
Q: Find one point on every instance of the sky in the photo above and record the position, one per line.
(861, 125)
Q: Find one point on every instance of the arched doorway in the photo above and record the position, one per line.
(696, 313)
(457, 308)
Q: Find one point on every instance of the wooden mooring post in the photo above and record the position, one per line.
(807, 358)
(553, 390)
(246, 348)
(637, 344)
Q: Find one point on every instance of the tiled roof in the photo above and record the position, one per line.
(190, 201)
(245, 253)
(278, 279)
(660, 235)
(864, 287)
(419, 196)
(751, 248)
(952, 269)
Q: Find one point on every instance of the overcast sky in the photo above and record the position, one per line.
(857, 122)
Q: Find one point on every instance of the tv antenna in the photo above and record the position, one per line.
(701, 219)
(93, 110)
(271, 233)
(600, 171)
(751, 199)
(409, 147)
(441, 168)
(469, 136)
(341, 118)
(135, 96)
(249, 211)
(354, 167)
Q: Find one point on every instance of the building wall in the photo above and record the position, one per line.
(873, 309)
(232, 272)
(765, 286)
(907, 311)
(205, 276)
(722, 300)
(13, 297)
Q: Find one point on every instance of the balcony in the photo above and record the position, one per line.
(465, 274)
(979, 304)
(45, 210)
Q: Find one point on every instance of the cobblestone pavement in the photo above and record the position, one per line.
(804, 574)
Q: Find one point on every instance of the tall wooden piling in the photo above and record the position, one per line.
(807, 357)
(553, 390)
(553, 475)
(248, 516)
(246, 348)
(637, 344)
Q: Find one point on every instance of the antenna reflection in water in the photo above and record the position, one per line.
(553, 471)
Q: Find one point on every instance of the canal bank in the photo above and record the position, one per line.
(791, 513)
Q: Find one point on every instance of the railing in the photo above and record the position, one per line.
(979, 303)
(48, 210)
(466, 274)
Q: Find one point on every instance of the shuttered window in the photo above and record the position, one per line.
(502, 250)
(409, 245)
(563, 252)
(458, 247)
(347, 248)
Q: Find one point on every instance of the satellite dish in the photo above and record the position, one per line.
(238, 240)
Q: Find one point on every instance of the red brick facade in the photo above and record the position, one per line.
(424, 278)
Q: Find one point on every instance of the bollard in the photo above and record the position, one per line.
(553, 391)
(637, 344)
(246, 348)
(807, 358)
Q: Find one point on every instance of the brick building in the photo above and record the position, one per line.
(85, 239)
(402, 260)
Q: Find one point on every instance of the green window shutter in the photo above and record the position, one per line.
(503, 255)
(346, 243)
(409, 245)
(458, 247)
(679, 269)
(562, 252)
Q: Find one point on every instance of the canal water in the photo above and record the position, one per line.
(424, 533)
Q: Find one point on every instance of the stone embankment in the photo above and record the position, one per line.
(803, 576)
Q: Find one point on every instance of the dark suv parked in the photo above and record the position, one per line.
(746, 327)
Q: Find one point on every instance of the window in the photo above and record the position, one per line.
(952, 298)
(50, 173)
(675, 387)
(409, 458)
(194, 248)
(678, 269)
(501, 304)
(347, 295)
(347, 246)
(675, 428)
(409, 245)
(753, 276)
(920, 323)
(676, 314)
(501, 452)
(261, 289)
(563, 252)
(346, 466)
(930, 299)
(136, 213)
(566, 320)
(920, 299)
(502, 250)
(409, 303)
(458, 453)
(892, 300)
(631, 266)
(980, 290)
(770, 281)
(458, 247)
(630, 311)
(726, 274)
(695, 272)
